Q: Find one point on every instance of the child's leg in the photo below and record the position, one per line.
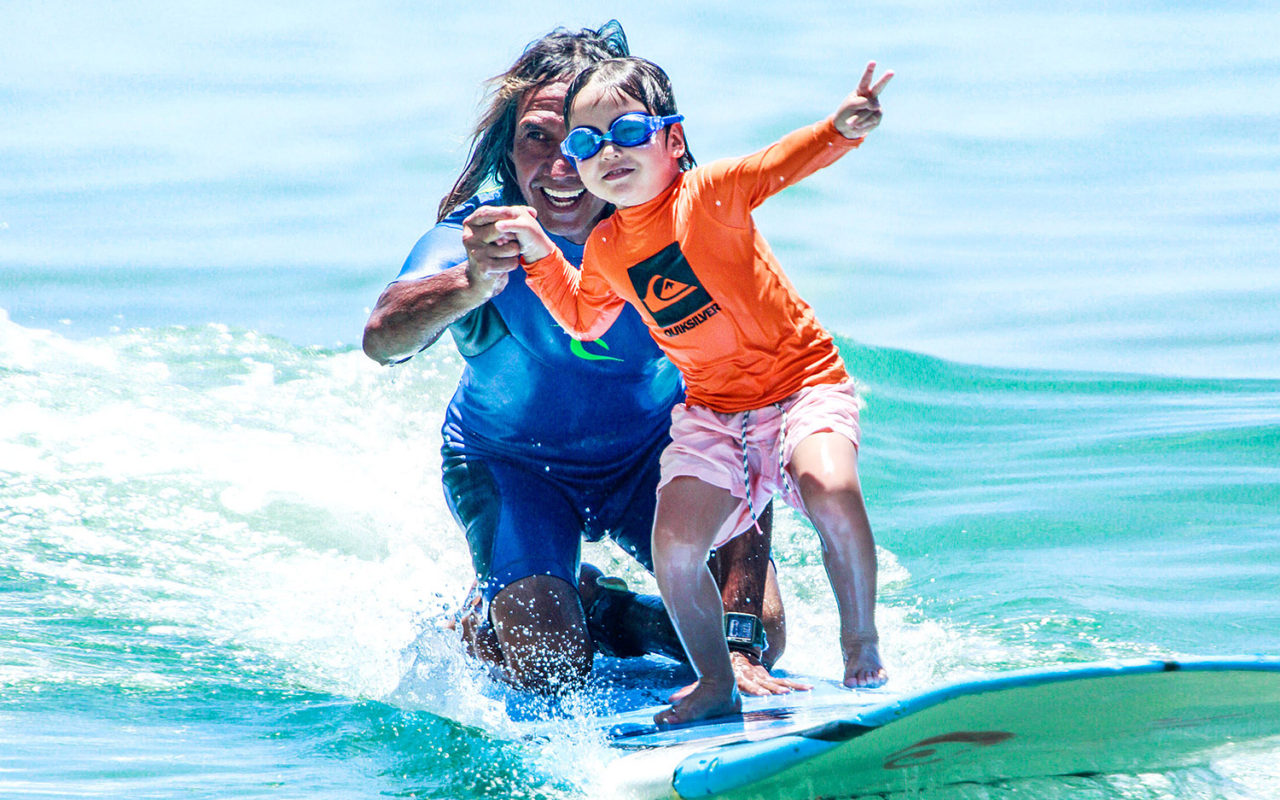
(824, 468)
(689, 514)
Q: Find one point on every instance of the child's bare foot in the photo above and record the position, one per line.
(862, 666)
(702, 701)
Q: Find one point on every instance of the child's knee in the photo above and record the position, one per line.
(676, 555)
(673, 547)
(662, 540)
(826, 486)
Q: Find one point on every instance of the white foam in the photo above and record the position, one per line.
(289, 504)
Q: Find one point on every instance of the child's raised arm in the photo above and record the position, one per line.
(859, 113)
(743, 184)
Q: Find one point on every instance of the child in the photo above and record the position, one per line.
(769, 405)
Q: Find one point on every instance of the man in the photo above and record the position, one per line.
(547, 439)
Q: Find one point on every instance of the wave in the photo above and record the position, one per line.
(200, 511)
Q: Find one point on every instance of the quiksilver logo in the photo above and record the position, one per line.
(662, 292)
(669, 290)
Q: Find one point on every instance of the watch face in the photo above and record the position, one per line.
(740, 628)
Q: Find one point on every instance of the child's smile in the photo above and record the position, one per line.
(617, 174)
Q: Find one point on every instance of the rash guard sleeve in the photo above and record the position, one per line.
(748, 181)
(580, 300)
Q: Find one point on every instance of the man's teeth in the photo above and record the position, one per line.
(564, 198)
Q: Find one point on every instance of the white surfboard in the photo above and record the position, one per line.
(1125, 716)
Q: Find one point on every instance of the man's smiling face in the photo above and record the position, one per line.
(549, 181)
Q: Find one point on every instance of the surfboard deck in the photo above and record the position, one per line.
(1109, 717)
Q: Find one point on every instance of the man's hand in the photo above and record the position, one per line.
(495, 237)
(860, 113)
(522, 224)
(491, 253)
(753, 679)
(477, 634)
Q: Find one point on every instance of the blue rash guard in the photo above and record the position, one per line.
(546, 439)
(530, 392)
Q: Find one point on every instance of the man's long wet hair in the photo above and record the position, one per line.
(558, 56)
(636, 78)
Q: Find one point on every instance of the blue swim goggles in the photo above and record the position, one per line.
(628, 130)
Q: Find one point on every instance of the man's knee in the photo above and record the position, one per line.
(540, 627)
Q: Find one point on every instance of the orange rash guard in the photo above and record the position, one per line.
(705, 280)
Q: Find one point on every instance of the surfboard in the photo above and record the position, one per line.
(1108, 717)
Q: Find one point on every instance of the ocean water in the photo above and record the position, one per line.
(223, 546)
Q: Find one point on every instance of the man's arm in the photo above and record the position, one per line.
(413, 312)
(749, 585)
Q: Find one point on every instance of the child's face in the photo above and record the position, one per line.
(624, 176)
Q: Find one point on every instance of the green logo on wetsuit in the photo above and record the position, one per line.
(579, 349)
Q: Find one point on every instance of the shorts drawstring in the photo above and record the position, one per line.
(782, 440)
(746, 473)
(746, 469)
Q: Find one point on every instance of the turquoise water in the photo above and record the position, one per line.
(222, 542)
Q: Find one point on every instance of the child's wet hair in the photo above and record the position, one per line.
(636, 78)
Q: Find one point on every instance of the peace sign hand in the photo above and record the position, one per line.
(860, 112)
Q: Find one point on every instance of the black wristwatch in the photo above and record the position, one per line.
(744, 633)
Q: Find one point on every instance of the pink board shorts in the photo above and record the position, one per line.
(709, 446)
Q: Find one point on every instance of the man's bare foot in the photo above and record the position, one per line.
(863, 668)
(702, 701)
